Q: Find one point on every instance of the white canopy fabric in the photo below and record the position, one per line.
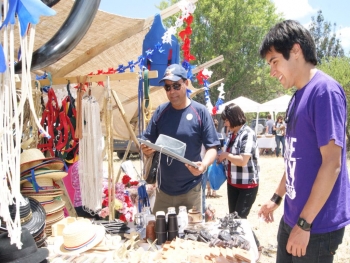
(247, 105)
(276, 105)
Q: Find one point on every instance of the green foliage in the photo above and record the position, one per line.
(327, 44)
(339, 69)
(234, 29)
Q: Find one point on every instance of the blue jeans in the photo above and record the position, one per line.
(279, 139)
(321, 247)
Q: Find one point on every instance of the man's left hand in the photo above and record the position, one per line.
(197, 171)
(298, 241)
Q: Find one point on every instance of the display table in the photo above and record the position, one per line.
(114, 249)
(267, 143)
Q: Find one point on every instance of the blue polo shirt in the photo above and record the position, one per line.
(192, 125)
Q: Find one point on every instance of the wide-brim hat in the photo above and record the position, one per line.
(54, 207)
(174, 72)
(50, 204)
(34, 219)
(77, 240)
(52, 164)
(54, 217)
(33, 157)
(53, 174)
(45, 185)
(29, 253)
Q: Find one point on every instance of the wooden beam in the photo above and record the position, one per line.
(104, 45)
(94, 78)
(168, 12)
(202, 89)
(208, 64)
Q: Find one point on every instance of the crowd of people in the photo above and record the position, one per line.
(311, 138)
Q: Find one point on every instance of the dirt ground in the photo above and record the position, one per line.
(271, 171)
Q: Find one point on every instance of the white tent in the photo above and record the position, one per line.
(247, 105)
(275, 106)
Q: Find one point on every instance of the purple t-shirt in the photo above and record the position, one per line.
(192, 125)
(317, 114)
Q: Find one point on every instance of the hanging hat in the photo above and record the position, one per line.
(173, 145)
(29, 253)
(34, 158)
(77, 240)
(32, 215)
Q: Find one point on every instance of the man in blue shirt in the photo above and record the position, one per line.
(190, 122)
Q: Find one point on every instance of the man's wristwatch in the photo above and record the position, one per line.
(303, 224)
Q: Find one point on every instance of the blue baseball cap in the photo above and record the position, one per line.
(174, 72)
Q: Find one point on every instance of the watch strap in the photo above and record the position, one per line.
(303, 224)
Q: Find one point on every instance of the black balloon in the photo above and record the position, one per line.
(67, 37)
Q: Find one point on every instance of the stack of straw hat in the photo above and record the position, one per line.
(38, 176)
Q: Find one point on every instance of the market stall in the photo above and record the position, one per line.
(56, 185)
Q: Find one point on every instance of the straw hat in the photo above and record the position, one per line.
(50, 204)
(45, 185)
(32, 157)
(52, 164)
(32, 214)
(28, 254)
(53, 174)
(76, 238)
(55, 217)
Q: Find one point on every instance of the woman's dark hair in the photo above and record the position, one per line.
(279, 118)
(234, 114)
(284, 35)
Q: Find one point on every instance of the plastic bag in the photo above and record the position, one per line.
(216, 174)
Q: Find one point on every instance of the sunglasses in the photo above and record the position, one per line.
(176, 86)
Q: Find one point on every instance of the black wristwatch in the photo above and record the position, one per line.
(303, 224)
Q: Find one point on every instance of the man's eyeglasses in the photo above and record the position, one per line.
(290, 109)
(176, 86)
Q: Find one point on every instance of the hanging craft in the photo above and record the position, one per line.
(90, 158)
(12, 100)
(220, 99)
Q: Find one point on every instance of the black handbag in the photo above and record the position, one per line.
(151, 166)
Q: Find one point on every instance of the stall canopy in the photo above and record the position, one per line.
(247, 105)
(110, 41)
(275, 106)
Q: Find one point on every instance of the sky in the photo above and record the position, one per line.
(334, 11)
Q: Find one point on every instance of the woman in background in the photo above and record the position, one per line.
(279, 127)
(241, 161)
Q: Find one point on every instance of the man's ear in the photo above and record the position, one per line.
(186, 82)
(296, 50)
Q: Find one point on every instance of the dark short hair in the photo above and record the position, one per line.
(284, 35)
(234, 114)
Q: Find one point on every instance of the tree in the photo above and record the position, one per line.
(339, 69)
(234, 29)
(327, 43)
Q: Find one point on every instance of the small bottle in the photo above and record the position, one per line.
(184, 218)
(146, 211)
(171, 210)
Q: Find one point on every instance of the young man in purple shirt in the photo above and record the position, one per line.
(316, 183)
